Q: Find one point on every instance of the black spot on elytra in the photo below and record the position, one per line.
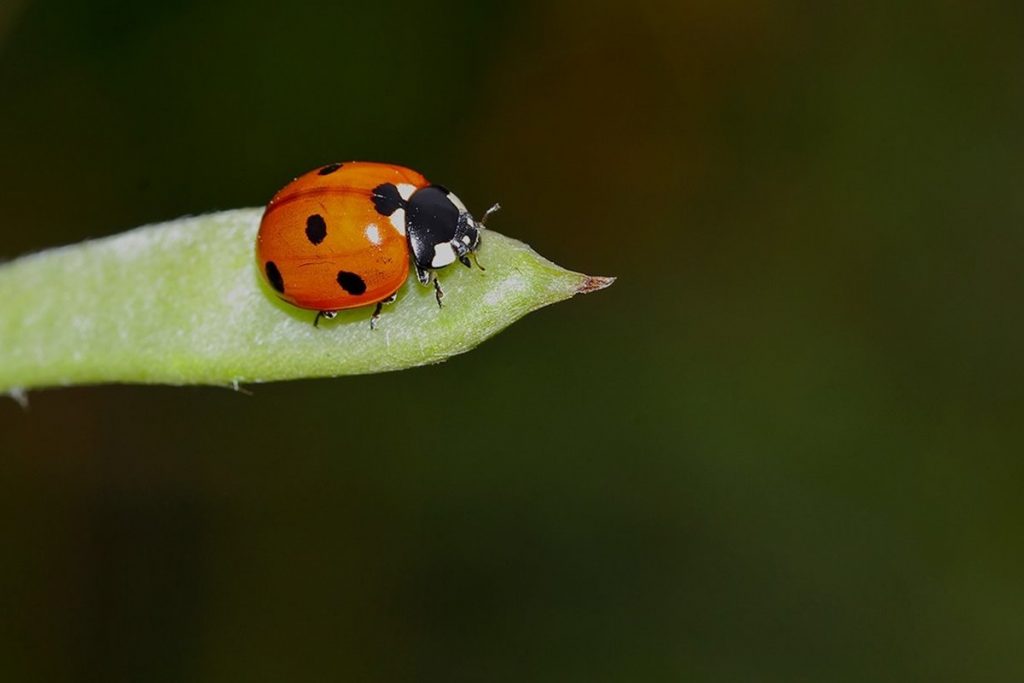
(386, 199)
(351, 283)
(316, 229)
(329, 169)
(274, 276)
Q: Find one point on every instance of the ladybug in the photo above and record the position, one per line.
(341, 236)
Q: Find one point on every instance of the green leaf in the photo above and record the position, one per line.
(183, 303)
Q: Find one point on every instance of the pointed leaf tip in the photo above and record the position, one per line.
(593, 283)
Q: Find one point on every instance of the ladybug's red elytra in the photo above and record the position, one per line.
(341, 236)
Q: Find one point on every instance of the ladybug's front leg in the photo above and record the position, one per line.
(438, 292)
(424, 277)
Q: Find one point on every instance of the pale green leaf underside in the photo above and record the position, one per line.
(183, 303)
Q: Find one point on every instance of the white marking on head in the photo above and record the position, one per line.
(398, 220)
(443, 255)
(372, 233)
(457, 202)
(405, 190)
(465, 240)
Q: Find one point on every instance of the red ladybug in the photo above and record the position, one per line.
(341, 236)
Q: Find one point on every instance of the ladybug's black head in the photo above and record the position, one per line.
(467, 235)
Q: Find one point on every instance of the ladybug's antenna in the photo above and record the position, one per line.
(494, 209)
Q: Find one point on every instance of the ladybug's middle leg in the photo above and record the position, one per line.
(326, 315)
(376, 312)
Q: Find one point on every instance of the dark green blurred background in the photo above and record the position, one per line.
(785, 446)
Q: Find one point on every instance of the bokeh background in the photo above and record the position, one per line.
(785, 446)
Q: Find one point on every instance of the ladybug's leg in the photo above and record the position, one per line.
(326, 315)
(438, 292)
(422, 275)
(424, 278)
(376, 312)
(469, 259)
